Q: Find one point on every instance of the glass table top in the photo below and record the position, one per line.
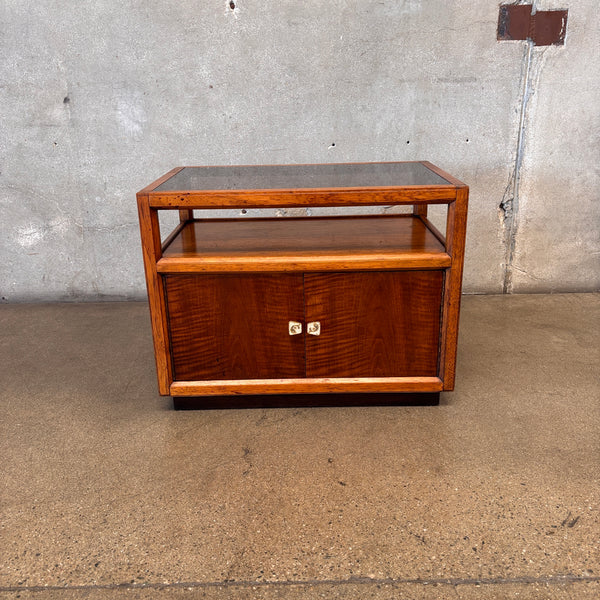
(316, 176)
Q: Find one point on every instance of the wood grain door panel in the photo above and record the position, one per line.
(235, 326)
(374, 324)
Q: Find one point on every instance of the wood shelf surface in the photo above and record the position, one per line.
(305, 243)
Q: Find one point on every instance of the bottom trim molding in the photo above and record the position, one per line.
(306, 386)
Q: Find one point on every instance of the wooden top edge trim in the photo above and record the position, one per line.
(299, 198)
(159, 181)
(441, 187)
(456, 182)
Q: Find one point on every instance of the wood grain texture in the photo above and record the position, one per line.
(297, 244)
(151, 252)
(420, 210)
(186, 214)
(456, 229)
(224, 280)
(374, 324)
(306, 386)
(235, 326)
(296, 198)
(303, 264)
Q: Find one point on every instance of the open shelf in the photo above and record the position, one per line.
(304, 244)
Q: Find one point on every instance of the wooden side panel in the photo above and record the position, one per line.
(227, 327)
(374, 324)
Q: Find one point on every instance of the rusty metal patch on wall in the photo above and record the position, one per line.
(545, 27)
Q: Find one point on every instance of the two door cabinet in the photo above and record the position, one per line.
(283, 304)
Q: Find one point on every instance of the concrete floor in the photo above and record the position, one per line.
(109, 493)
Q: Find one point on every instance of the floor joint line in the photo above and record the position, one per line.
(450, 581)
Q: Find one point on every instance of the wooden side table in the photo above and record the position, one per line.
(291, 305)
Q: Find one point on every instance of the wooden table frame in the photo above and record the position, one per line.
(454, 195)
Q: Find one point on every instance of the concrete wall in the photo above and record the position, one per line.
(97, 99)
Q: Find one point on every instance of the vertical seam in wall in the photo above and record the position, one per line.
(510, 205)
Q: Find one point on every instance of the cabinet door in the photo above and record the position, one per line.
(235, 326)
(374, 324)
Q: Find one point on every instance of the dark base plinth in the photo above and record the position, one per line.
(303, 400)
